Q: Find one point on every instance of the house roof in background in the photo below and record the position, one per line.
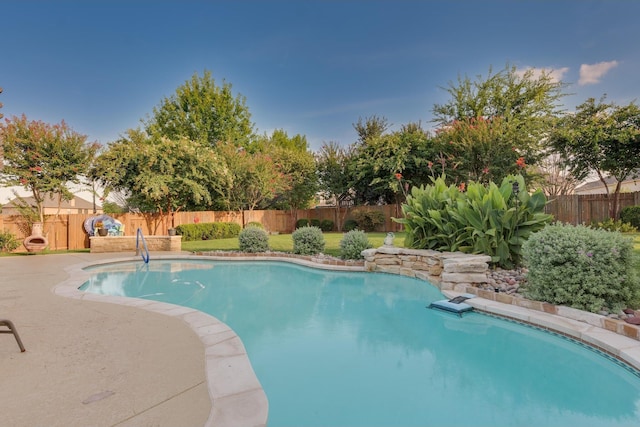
(52, 202)
(611, 181)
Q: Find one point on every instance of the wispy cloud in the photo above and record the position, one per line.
(592, 73)
(555, 74)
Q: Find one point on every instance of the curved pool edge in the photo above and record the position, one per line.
(237, 397)
(622, 348)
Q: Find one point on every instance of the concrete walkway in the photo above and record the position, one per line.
(90, 363)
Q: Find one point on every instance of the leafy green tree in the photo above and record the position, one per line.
(299, 170)
(202, 111)
(112, 207)
(371, 128)
(332, 162)
(479, 150)
(280, 138)
(489, 123)
(163, 175)
(361, 169)
(385, 165)
(601, 138)
(296, 164)
(256, 178)
(43, 158)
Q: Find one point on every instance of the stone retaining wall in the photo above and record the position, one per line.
(463, 273)
(101, 244)
(447, 270)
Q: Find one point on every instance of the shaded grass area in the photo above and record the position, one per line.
(636, 241)
(284, 243)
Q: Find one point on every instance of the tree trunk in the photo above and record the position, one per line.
(616, 202)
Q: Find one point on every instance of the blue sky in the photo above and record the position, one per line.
(309, 67)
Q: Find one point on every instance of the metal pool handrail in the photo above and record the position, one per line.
(140, 238)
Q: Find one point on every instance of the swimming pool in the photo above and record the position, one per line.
(360, 349)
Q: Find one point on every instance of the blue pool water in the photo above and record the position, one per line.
(361, 349)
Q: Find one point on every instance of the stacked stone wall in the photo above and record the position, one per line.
(447, 270)
(101, 244)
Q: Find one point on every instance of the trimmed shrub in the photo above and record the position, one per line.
(308, 241)
(353, 243)
(8, 242)
(368, 220)
(208, 230)
(314, 222)
(631, 214)
(326, 225)
(302, 222)
(254, 224)
(350, 224)
(253, 239)
(614, 225)
(581, 267)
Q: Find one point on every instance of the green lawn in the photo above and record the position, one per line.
(636, 249)
(284, 243)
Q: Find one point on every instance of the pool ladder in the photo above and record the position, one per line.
(144, 251)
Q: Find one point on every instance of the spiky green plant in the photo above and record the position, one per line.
(486, 219)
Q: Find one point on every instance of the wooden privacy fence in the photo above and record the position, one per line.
(66, 232)
(585, 209)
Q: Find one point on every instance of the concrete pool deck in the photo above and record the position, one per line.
(89, 363)
(141, 363)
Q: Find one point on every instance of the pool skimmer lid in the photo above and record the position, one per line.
(454, 305)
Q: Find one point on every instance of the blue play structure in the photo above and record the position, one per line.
(113, 226)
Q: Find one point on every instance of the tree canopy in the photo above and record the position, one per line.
(299, 170)
(378, 157)
(202, 111)
(479, 150)
(490, 123)
(332, 163)
(514, 96)
(163, 175)
(256, 178)
(43, 158)
(601, 138)
(198, 149)
(280, 138)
